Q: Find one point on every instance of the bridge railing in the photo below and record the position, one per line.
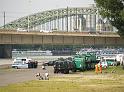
(59, 32)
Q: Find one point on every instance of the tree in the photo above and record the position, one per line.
(113, 10)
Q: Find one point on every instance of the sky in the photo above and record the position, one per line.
(18, 8)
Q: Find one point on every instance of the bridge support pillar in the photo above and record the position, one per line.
(5, 51)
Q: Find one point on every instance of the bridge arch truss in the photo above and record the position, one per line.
(64, 19)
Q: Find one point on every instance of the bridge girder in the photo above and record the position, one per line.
(46, 16)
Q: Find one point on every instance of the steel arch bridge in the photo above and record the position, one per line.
(34, 20)
(78, 18)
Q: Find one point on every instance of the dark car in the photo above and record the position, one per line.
(51, 63)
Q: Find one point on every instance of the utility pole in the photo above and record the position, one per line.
(67, 19)
(4, 20)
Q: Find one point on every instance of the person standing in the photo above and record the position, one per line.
(96, 68)
(100, 68)
(46, 76)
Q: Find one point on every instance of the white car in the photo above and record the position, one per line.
(19, 65)
(46, 31)
(21, 30)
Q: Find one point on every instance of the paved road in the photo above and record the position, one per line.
(10, 76)
(5, 61)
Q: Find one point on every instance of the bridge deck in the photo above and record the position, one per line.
(60, 33)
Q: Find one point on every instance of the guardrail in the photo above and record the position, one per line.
(84, 33)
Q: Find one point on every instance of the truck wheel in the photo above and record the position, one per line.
(64, 72)
(73, 70)
(82, 70)
(67, 71)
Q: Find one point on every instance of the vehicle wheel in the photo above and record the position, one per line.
(16, 67)
(73, 70)
(54, 71)
(64, 71)
(57, 71)
(67, 71)
(82, 70)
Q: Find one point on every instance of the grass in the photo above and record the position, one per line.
(117, 70)
(55, 85)
(106, 82)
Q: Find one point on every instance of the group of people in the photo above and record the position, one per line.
(41, 77)
(98, 68)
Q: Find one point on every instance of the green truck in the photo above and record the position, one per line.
(80, 62)
(85, 61)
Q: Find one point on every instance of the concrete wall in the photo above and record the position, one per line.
(5, 51)
(55, 39)
(37, 39)
(100, 40)
(58, 39)
(9, 39)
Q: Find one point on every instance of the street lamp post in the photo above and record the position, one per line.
(67, 16)
(28, 23)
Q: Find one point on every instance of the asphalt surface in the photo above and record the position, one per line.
(11, 76)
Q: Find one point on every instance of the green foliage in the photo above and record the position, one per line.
(113, 10)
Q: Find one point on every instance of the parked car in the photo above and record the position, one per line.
(22, 62)
(19, 65)
(49, 63)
